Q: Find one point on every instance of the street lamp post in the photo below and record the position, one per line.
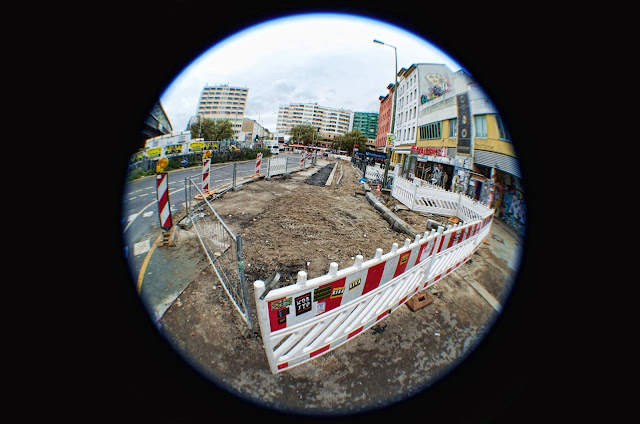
(393, 115)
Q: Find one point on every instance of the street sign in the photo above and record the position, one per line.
(184, 161)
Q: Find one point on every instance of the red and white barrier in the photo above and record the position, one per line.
(164, 208)
(258, 163)
(206, 172)
(310, 318)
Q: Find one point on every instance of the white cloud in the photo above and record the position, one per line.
(328, 59)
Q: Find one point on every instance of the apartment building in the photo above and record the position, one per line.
(462, 135)
(330, 121)
(417, 85)
(223, 102)
(384, 119)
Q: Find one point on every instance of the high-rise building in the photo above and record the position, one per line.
(220, 102)
(330, 121)
(367, 123)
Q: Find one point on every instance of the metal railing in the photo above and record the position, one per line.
(222, 247)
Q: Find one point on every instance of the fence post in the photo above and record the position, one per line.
(235, 171)
(415, 194)
(242, 280)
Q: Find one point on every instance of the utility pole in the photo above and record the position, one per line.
(393, 115)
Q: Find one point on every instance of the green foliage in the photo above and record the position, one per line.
(348, 140)
(304, 133)
(211, 130)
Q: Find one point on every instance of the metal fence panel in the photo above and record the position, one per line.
(222, 247)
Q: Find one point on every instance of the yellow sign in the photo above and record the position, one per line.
(196, 145)
(154, 152)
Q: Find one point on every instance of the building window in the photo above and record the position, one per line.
(503, 134)
(430, 131)
(481, 125)
(453, 128)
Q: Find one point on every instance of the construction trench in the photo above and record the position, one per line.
(289, 225)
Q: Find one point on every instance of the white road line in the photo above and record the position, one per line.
(135, 215)
(141, 247)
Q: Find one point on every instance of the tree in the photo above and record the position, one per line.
(211, 130)
(304, 133)
(348, 140)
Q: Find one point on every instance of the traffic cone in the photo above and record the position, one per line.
(378, 188)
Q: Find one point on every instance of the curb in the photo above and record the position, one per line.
(330, 179)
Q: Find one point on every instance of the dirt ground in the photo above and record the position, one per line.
(288, 226)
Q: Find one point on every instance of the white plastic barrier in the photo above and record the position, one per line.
(277, 166)
(310, 318)
(374, 173)
(436, 200)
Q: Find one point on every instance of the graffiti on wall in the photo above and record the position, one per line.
(437, 85)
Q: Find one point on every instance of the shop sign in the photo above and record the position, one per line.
(464, 124)
(430, 151)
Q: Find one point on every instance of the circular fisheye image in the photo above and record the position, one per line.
(327, 214)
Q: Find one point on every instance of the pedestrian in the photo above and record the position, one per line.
(444, 180)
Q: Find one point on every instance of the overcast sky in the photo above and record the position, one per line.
(328, 59)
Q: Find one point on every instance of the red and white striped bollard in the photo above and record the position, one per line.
(206, 171)
(164, 208)
(258, 163)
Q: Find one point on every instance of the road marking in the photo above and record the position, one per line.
(135, 215)
(147, 214)
(144, 194)
(141, 247)
(145, 263)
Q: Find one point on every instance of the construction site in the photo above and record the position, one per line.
(305, 221)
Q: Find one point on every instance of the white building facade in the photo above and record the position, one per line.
(220, 102)
(330, 121)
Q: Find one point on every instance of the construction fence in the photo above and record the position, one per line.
(307, 319)
(222, 247)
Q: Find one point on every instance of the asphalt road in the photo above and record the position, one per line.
(140, 222)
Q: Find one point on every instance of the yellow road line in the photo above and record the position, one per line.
(145, 263)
